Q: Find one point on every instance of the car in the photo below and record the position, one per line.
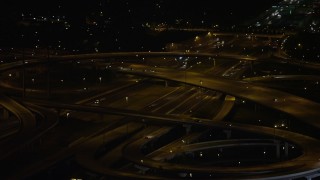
(148, 137)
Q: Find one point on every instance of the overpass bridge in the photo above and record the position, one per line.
(300, 108)
(298, 167)
(31, 62)
(295, 106)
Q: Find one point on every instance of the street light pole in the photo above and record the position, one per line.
(185, 75)
(274, 131)
(23, 70)
(23, 78)
(127, 101)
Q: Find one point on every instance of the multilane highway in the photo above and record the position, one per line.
(298, 107)
(173, 108)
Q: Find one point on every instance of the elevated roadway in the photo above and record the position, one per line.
(308, 161)
(31, 62)
(27, 126)
(300, 108)
(284, 78)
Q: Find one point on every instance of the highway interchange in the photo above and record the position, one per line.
(158, 120)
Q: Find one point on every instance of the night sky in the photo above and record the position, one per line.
(118, 21)
(142, 10)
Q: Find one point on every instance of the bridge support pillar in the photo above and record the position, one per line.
(58, 114)
(228, 133)
(286, 151)
(5, 114)
(277, 149)
(17, 75)
(187, 127)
